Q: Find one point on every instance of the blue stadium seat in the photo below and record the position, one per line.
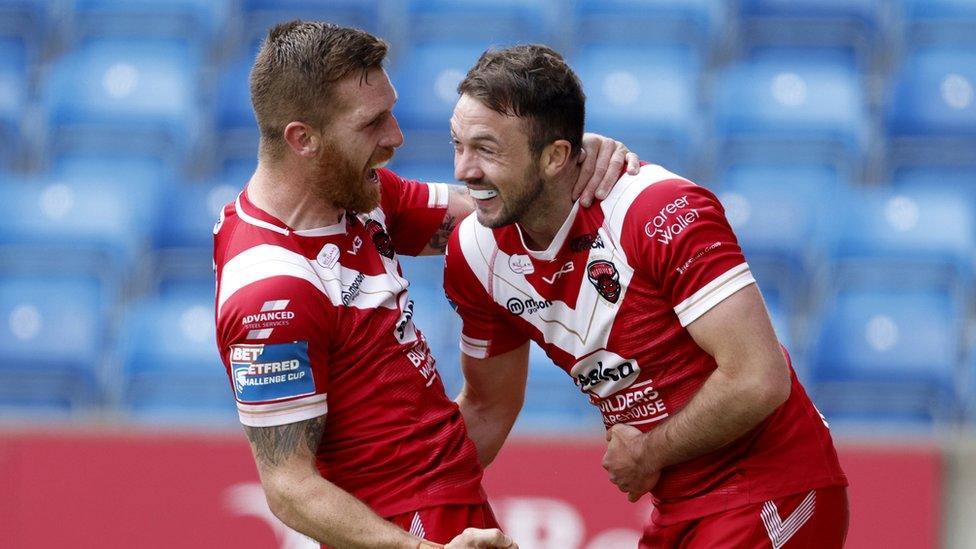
(696, 23)
(233, 102)
(132, 95)
(14, 89)
(849, 23)
(780, 214)
(27, 19)
(888, 355)
(81, 223)
(896, 239)
(52, 334)
(427, 80)
(432, 172)
(191, 211)
(806, 104)
(171, 368)
(646, 97)
(958, 180)
(939, 21)
(931, 116)
(497, 22)
(201, 20)
(261, 15)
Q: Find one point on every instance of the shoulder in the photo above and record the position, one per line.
(652, 191)
(264, 271)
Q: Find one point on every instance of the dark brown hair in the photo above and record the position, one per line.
(532, 82)
(296, 70)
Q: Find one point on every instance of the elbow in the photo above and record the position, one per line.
(278, 492)
(776, 386)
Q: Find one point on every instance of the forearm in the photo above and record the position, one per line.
(724, 409)
(488, 423)
(330, 515)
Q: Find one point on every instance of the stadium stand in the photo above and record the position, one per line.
(122, 140)
(647, 97)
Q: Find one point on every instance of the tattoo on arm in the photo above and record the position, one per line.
(439, 240)
(274, 445)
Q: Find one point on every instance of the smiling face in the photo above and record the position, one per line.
(492, 153)
(360, 137)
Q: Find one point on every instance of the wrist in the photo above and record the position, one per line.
(652, 450)
(424, 544)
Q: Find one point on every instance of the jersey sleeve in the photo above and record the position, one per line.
(484, 330)
(682, 239)
(414, 211)
(273, 337)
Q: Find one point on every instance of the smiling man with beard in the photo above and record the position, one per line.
(355, 441)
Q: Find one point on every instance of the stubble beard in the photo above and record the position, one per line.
(515, 208)
(342, 184)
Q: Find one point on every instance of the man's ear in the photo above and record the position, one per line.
(555, 157)
(302, 139)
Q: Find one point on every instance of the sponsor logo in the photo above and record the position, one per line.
(380, 238)
(349, 295)
(328, 256)
(521, 264)
(419, 355)
(604, 373)
(401, 326)
(272, 315)
(684, 267)
(590, 241)
(639, 404)
(664, 228)
(265, 373)
(356, 244)
(567, 268)
(529, 306)
(605, 278)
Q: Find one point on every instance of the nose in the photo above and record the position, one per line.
(466, 166)
(392, 136)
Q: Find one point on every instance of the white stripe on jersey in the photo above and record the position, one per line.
(255, 221)
(578, 331)
(266, 261)
(616, 205)
(417, 526)
(438, 195)
(281, 413)
(713, 293)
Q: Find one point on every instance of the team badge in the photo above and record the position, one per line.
(605, 277)
(380, 238)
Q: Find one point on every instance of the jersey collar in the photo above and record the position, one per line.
(557, 242)
(252, 215)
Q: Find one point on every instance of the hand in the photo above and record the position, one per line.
(472, 538)
(629, 469)
(601, 160)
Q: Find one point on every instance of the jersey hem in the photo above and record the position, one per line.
(713, 293)
(273, 416)
(667, 514)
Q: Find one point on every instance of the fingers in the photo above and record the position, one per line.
(587, 166)
(606, 169)
(477, 538)
(633, 163)
(634, 496)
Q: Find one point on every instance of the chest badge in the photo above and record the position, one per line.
(328, 256)
(605, 278)
(380, 238)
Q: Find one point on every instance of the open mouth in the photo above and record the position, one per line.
(372, 176)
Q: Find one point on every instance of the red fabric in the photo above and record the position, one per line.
(392, 438)
(443, 523)
(608, 302)
(798, 521)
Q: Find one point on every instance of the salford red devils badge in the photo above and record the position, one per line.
(380, 239)
(604, 276)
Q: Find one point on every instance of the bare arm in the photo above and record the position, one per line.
(492, 397)
(459, 205)
(306, 502)
(751, 381)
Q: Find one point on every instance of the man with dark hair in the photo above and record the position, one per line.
(651, 308)
(355, 441)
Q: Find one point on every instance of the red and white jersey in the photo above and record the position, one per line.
(609, 301)
(318, 322)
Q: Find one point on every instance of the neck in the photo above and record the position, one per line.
(549, 211)
(282, 191)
